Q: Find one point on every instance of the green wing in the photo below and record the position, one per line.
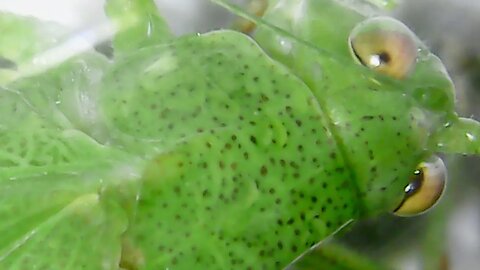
(56, 210)
(56, 205)
(57, 228)
(65, 196)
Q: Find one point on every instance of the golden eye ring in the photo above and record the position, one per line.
(425, 188)
(384, 45)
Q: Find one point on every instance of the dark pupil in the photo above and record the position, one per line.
(415, 184)
(384, 57)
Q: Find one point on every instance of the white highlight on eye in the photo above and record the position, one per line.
(408, 188)
(374, 60)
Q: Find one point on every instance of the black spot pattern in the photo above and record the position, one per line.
(252, 166)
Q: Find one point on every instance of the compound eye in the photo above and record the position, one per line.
(424, 189)
(384, 45)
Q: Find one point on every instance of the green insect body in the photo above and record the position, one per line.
(366, 114)
(211, 151)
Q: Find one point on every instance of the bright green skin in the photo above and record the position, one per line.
(203, 152)
(367, 110)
